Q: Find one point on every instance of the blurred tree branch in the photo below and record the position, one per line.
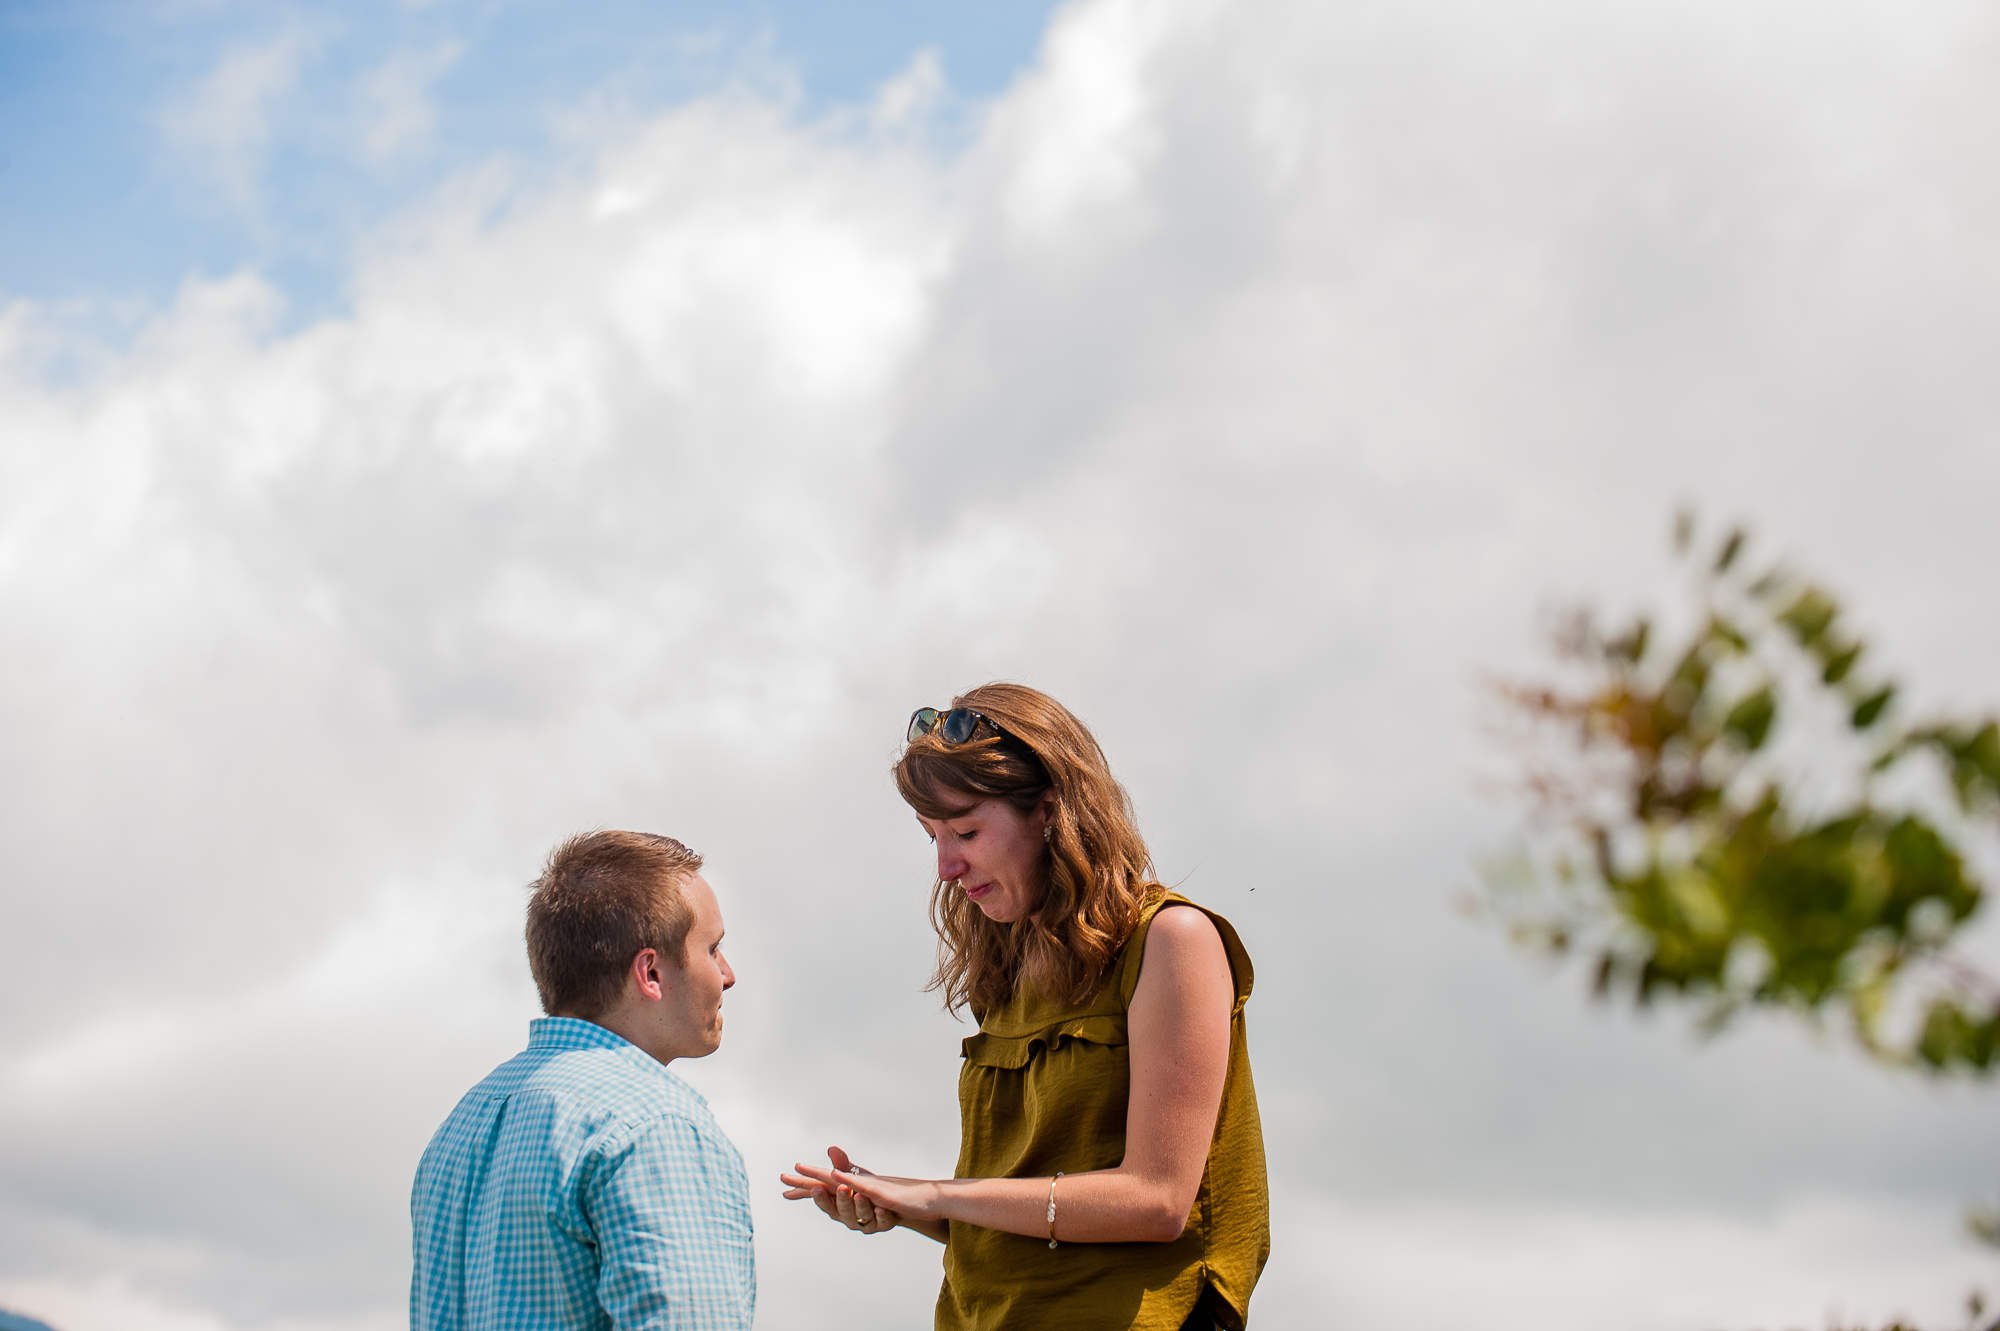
(1736, 814)
(1743, 818)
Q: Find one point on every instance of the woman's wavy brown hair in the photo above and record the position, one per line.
(1098, 874)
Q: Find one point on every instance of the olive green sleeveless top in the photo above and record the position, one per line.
(1044, 1088)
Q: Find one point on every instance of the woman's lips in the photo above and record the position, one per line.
(974, 893)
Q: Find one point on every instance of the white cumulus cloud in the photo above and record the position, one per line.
(1250, 380)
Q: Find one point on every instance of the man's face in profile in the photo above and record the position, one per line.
(691, 1004)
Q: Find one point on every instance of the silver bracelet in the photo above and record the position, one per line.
(1052, 1209)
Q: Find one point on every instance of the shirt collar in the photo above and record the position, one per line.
(573, 1033)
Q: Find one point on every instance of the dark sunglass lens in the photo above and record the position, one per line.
(921, 722)
(959, 724)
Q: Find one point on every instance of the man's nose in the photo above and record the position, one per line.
(728, 972)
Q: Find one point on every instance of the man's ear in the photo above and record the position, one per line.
(645, 974)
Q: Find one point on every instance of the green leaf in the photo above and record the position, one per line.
(1840, 662)
(1869, 710)
(1974, 756)
(1731, 548)
(1983, 755)
(1809, 616)
(1923, 866)
(1723, 631)
(1954, 1037)
(1630, 646)
(1749, 721)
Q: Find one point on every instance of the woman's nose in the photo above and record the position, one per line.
(950, 864)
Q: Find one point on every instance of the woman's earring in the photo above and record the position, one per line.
(1048, 834)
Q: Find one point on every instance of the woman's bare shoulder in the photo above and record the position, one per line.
(1182, 924)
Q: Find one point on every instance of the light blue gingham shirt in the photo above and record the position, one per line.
(581, 1186)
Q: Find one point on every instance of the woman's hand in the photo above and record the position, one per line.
(864, 1202)
(833, 1195)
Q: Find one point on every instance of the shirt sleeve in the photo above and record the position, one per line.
(670, 1208)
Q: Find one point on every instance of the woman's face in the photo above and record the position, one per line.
(996, 853)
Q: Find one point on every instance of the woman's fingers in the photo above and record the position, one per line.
(818, 1174)
(833, 1191)
(851, 1180)
(839, 1201)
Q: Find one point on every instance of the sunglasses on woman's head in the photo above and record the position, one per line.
(953, 727)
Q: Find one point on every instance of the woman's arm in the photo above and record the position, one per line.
(1178, 1025)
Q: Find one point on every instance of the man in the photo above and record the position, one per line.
(582, 1184)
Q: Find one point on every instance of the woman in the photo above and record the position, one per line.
(1111, 1166)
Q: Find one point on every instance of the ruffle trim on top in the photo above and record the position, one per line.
(1001, 1051)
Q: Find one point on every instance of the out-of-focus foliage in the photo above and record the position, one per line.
(1974, 1324)
(1737, 816)
(1984, 1222)
(1975, 1319)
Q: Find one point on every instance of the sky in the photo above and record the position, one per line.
(145, 141)
(430, 430)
